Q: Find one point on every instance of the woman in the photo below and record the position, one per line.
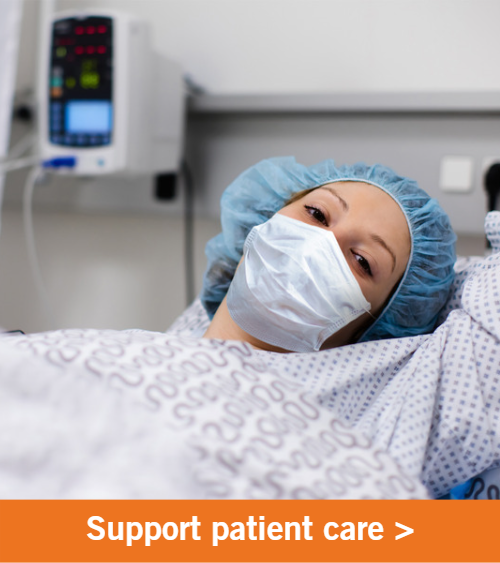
(334, 256)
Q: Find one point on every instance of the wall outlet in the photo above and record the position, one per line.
(455, 174)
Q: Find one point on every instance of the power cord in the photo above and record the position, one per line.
(188, 231)
(18, 163)
(29, 187)
(29, 234)
(27, 161)
(22, 146)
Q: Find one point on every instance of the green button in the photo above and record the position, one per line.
(61, 51)
(70, 82)
(89, 80)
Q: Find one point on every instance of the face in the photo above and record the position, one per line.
(371, 231)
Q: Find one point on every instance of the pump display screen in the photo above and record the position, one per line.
(93, 117)
(81, 82)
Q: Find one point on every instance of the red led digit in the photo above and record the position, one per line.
(90, 29)
(101, 29)
(90, 49)
(101, 49)
(79, 30)
(79, 50)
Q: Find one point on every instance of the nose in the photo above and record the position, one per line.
(342, 234)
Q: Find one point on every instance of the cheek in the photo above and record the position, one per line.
(289, 211)
(383, 293)
(382, 296)
(377, 297)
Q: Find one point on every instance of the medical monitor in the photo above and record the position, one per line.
(107, 98)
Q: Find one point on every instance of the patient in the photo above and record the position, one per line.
(333, 255)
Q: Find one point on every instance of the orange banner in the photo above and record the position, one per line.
(103, 530)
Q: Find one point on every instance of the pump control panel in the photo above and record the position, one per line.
(81, 82)
(107, 99)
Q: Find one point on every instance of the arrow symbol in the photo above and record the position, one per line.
(407, 530)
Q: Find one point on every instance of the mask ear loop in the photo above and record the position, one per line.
(372, 316)
(363, 330)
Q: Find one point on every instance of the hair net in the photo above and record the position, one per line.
(259, 192)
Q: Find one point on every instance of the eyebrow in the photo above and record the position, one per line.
(334, 192)
(374, 237)
(383, 244)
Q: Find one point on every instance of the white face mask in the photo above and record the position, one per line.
(294, 288)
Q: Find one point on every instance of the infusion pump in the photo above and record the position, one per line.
(107, 98)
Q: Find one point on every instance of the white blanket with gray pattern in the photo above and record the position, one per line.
(137, 414)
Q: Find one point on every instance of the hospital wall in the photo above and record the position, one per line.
(112, 255)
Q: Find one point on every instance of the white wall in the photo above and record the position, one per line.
(27, 62)
(276, 46)
(100, 271)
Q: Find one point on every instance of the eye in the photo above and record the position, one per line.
(363, 262)
(317, 214)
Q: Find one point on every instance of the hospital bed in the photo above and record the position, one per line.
(138, 414)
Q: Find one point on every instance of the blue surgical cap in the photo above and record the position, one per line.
(259, 192)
